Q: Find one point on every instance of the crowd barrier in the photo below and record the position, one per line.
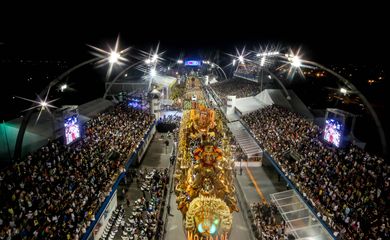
(290, 184)
(133, 157)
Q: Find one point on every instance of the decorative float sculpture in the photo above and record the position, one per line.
(204, 184)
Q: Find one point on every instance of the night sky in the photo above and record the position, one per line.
(326, 33)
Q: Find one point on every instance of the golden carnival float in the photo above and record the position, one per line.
(204, 184)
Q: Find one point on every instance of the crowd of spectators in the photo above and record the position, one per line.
(168, 123)
(239, 88)
(267, 222)
(55, 192)
(349, 187)
(145, 220)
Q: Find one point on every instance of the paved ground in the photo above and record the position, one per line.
(174, 230)
(266, 180)
(157, 156)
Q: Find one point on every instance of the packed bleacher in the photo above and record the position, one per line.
(349, 187)
(55, 192)
(267, 222)
(239, 88)
(168, 123)
(144, 221)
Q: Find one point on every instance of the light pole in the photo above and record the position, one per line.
(118, 76)
(212, 64)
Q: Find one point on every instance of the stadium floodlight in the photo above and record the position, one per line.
(343, 91)
(267, 54)
(241, 59)
(179, 61)
(262, 61)
(234, 62)
(296, 62)
(148, 61)
(114, 57)
(154, 58)
(153, 72)
(63, 87)
(42, 104)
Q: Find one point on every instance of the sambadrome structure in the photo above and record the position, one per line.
(204, 187)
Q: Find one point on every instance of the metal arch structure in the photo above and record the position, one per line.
(288, 97)
(27, 117)
(118, 76)
(364, 99)
(218, 67)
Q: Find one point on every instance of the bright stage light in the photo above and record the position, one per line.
(343, 91)
(63, 87)
(296, 62)
(114, 56)
(154, 58)
(262, 61)
(241, 59)
(43, 104)
(153, 72)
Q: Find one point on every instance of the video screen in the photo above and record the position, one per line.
(135, 102)
(72, 129)
(192, 63)
(333, 132)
